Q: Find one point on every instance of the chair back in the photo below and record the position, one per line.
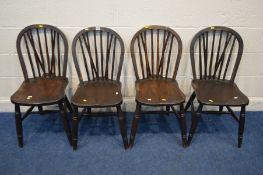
(156, 52)
(216, 53)
(98, 54)
(43, 51)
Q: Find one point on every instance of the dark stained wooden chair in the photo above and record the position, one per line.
(98, 54)
(156, 53)
(43, 55)
(215, 56)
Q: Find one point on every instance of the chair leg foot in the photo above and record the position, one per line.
(19, 128)
(135, 124)
(74, 144)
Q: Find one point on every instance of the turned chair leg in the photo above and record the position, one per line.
(122, 123)
(182, 122)
(241, 126)
(75, 122)
(19, 128)
(63, 112)
(191, 99)
(135, 124)
(195, 118)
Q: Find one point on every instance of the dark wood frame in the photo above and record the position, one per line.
(95, 68)
(63, 103)
(208, 74)
(151, 74)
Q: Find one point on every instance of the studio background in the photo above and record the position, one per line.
(186, 17)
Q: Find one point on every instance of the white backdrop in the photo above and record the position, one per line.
(126, 17)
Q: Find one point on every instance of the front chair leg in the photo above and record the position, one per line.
(195, 119)
(63, 113)
(182, 122)
(19, 128)
(241, 126)
(122, 124)
(75, 122)
(135, 124)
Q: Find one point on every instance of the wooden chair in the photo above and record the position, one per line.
(215, 56)
(98, 54)
(43, 55)
(156, 53)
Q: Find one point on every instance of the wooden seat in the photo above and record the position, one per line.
(215, 57)
(98, 54)
(228, 93)
(156, 54)
(40, 91)
(158, 92)
(98, 94)
(43, 53)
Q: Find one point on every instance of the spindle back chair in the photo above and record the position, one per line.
(98, 54)
(156, 54)
(215, 57)
(43, 52)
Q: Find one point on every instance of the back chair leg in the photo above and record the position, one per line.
(167, 109)
(68, 104)
(241, 126)
(63, 112)
(122, 123)
(195, 118)
(75, 122)
(221, 108)
(19, 128)
(40, 109)
(89, 110)
(182, 122)
(191, 99)
(135, 124)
